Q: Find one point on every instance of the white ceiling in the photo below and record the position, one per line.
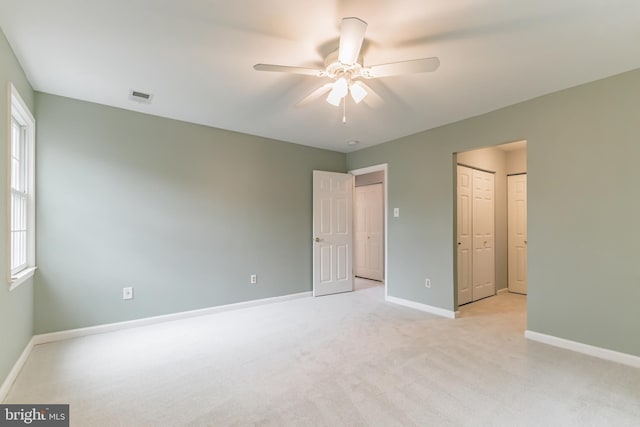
(196, 57)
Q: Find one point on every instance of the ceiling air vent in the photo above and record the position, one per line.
(141, 97)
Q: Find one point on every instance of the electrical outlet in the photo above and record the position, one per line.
(127, 293)
(427, 283)
(254, 279)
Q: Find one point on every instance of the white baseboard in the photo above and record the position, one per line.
(502, 291)
(110, 327)
(602, 353)
(17, 367)
(423, 307)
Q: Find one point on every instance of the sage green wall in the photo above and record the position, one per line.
(494, 160)
(583, 208)
(517, 161)
(183, 213)
(16, 307)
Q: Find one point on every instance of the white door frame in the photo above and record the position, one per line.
(381, 167)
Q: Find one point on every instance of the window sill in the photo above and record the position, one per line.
(21, 277)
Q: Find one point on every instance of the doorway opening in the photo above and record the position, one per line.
(490, 222)
(333, 218)
(370, 227)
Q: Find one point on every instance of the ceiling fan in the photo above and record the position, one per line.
(346, 70)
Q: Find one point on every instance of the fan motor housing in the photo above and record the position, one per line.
(334, 68)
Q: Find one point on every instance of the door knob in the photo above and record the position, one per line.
(525, 242)
(459, 243)
(317, 239)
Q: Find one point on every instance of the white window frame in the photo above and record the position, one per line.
(19, 112)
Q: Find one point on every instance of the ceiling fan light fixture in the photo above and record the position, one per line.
(358, 92)
(339, 91)
(341, 87)
(334, 99)
(345, 73)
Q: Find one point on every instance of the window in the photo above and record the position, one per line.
(22, 191)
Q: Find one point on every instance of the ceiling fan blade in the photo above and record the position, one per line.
(423, 65)
(315, 95)
(351, 38)
(287, 69)
(372, 99)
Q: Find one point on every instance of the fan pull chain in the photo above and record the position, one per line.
(344, 111)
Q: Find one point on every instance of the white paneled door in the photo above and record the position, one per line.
(332, 233)
(465, 179)
(476, 235)
(368, 232)
(517, 232)
(484, 263)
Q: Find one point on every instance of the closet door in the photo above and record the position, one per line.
(464, 204)
(369, 232)
(517, 206)
(476, 235)
(483, 225)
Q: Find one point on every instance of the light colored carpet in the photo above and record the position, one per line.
(341, 360)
